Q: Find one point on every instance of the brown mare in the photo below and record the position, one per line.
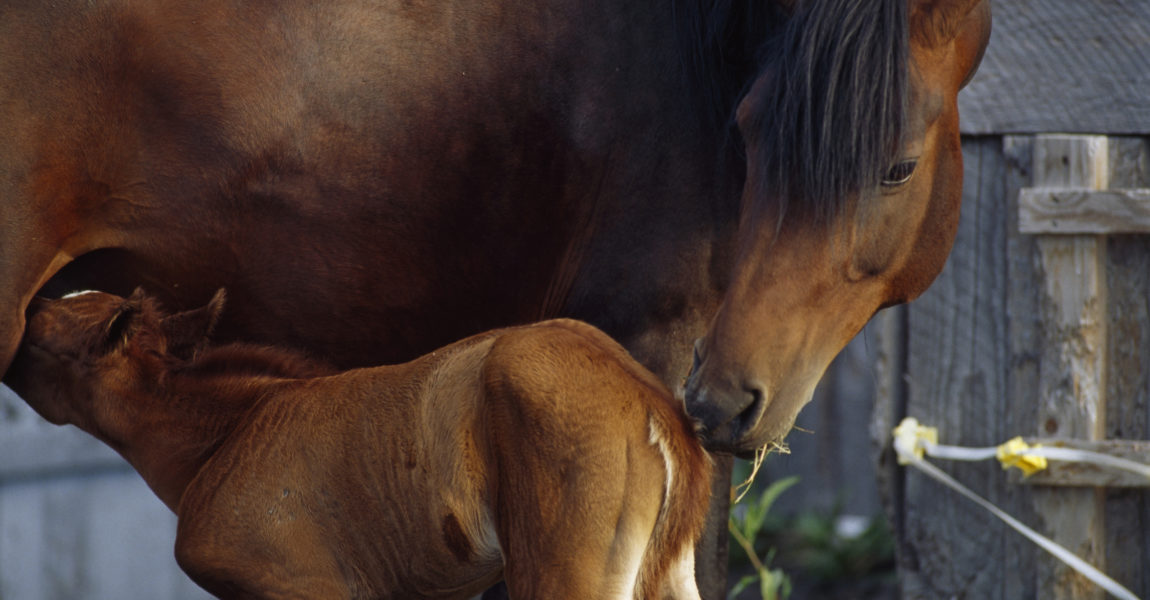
(543, 453)
(371, 180)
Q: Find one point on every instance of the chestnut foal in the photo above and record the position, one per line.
(542, 454)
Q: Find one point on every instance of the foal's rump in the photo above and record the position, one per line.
(599, 484)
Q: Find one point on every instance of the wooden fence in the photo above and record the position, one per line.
(1039, 326)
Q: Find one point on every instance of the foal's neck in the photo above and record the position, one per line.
(173, 430)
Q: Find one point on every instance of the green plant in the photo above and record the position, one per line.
(745, 526)
(815, 545)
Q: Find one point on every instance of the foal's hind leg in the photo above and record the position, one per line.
(680, 583)
(573, 519)
(587, 560)
(584, 534)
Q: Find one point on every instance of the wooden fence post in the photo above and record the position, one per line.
(1072, 371)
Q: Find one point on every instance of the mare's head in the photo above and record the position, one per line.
(92, 346)
(851, 202)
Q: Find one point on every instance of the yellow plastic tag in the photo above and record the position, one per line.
(1014, 454)
(908, 437)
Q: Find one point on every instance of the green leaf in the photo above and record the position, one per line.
(775, 585)
(743, 584)
(757, 512)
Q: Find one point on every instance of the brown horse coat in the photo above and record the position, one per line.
(371, 180)
(544, 453)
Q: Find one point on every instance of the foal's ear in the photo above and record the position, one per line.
(188, 332)
(124, 322)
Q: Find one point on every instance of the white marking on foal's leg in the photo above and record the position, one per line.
(659, 440)
(681, 580)
(79, 293)
(634, 545)
(488, 548)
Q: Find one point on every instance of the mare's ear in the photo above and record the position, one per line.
(188, 332)
(939, 21)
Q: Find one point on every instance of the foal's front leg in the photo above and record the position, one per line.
(227, 567)
(235, 544)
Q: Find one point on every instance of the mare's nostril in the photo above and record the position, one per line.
(749, 416)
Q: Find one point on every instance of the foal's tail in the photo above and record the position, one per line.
(668, 563)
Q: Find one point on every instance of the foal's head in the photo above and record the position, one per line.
(92, 346)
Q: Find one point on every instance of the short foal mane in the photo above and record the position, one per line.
(241, 359)
(830, 121)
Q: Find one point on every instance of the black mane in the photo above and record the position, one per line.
(831, 120)
(720, 43)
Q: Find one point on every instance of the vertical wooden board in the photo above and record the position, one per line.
(1128, 382)
(41, 531)
(21, 542)
(955, 381)
(830, 446)
(1024, 338)
(1127, 512)
(130, 542)
(1129, 162)
(1072, 363)
(88, 536)
(9, 405)
(889, 333)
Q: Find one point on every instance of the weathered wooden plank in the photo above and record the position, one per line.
(948, 547)
(1025, 337)
(91, 537)
(1069, 211)
(1128, 378)
(889, 328)
(1059, 473)
(37, 449)
(29, 446)
(830, 450)
(1063, 65)
(1072, 371)
(936, 538)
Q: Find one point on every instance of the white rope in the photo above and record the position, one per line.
(1105, 460)
(1016, 449)
(912, 441)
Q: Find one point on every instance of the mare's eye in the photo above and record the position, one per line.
(900, 173)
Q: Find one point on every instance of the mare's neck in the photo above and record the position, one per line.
(668, 194)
